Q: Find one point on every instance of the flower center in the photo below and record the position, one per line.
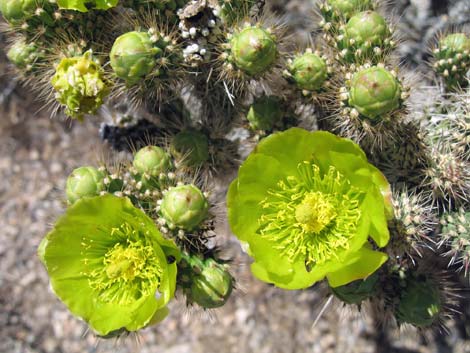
(315, 212)
(128, 270)
(311, 215)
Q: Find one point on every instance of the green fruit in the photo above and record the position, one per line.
(84, 182)
(212, 286)
(264, 113)
(308, 71)
(15, 11)
(358, 291)
(366, 30)
(347, 8)
(133, 56)
(79, 84)
(152, 161)
(420, 303)
(374, 92)
(184, 206)
(253, 50)
(23, 55)
(191, 146)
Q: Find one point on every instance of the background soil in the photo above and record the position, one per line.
(36, 155)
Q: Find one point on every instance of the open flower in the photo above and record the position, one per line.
(305, 204)
(110, 265)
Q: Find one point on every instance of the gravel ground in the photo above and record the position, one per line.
(36, 154)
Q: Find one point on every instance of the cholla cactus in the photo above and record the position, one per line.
(202, 82)
(455, 237)
(452, 60)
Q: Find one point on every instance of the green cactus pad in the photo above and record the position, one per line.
(374, 92)
(84, 182)
(79, 84)
(133, 56)
(152, 161)
(420, 303)
(184, 206)
(358, 291)
(253, 50)
(24, 55)
(191, 147)
(308, 71)
(264, 113)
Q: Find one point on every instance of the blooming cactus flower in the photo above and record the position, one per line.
(305, 204)
(110, 265)
(84, 6)
(79, 85)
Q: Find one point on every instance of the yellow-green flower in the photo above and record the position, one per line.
(305, 204)
(110, 265)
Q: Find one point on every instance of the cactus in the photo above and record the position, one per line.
(83, 182)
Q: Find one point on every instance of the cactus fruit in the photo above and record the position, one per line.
(184, 206)
(253, 50)
(264, 113)
(191, 147)
(84, 182)
(152, 161)
(452, 60)
(79, 84)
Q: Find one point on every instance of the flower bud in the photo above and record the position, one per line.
(374, 92)
(133, 56)
(184, 206)
(83, 182)
(367, 30)
(253, 50)
(347, 8)
(212, 286)
(264, 113)
(152, 160)
(23, 55)
(191, 146)
(308, 71)
(15, 11)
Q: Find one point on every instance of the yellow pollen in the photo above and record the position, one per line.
(315, 212)
(123, 262)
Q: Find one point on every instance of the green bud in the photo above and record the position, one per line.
(347, 8)
(367, 30)
(253, 50)
(85, 5)
(264, 113)
(374, 92)
(420, 303)
(152, 160)
(79, 84)
(358, 291)
(184, 206)
(133, 56)
(15, 11)
(457, 42)
(83, 182)
(23, 55)
(212, 286)
(191, 146)
(308, 71)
